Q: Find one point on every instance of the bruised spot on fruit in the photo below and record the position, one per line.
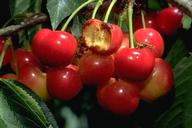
(97, 35)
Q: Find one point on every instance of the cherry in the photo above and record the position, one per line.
(8, 54)
(119, 97)
(24, 57)
(125, 41)
(159, 83)
(63, 83)
(54, 48)
(151, 37)
(150, 21)
(95, 69)
(9, 76)
(33, 78)
(101, 38)
(134, 64)
(169, 20)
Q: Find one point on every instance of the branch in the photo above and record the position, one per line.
(13, 29)
(185, 5)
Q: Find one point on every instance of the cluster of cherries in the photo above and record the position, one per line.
(122, 74)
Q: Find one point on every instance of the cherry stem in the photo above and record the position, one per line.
(5, 47)
(99, 3)
(75, 12)
(120, 21)
(13, 56)
(130, 19)
(109, 10)
(143, 19)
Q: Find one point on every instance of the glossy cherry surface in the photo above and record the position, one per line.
(35, 79)
(151, 37)
(169, 20)
(118, 97)
(24, 57)
(54, 48)
(134, 64)
(63, 83)
(159, 83)
(95, 69)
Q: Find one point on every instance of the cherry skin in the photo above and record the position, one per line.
(102, 38)
(9, 76)
(24, 57)
(159, 83)
(150, 21)
(63, 83)
(134, 64)
(8, 54)
(125, 41)
(118, 97)
(95, 69)
(151, 37)
(33, 78)
(54, 48)
(169, 20)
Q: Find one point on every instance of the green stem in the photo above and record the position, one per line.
(99, 3)
(130, 19)
(143, 19)
(75, 12)
(2, 55)
(120, 21)
(109, 10)
(14, 57)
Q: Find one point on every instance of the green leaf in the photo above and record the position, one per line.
(186, 22)
(31, 103)
(177, 52)
(18, 7)
(60, 9)
(8, 118)
(179, 115)
(76, 27)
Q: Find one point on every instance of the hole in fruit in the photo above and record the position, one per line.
(97, 35)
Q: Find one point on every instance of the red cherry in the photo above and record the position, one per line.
(34, 79)
(54, 48)
(169, 20)
(101, 38)
(95, 69)
(159, 83)
(8, 54)
(150, 37)
(125, 41)
(150, 21)
(134, 64)
(118, 97)
(63, 83)
(24, 57)
(9, 76)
